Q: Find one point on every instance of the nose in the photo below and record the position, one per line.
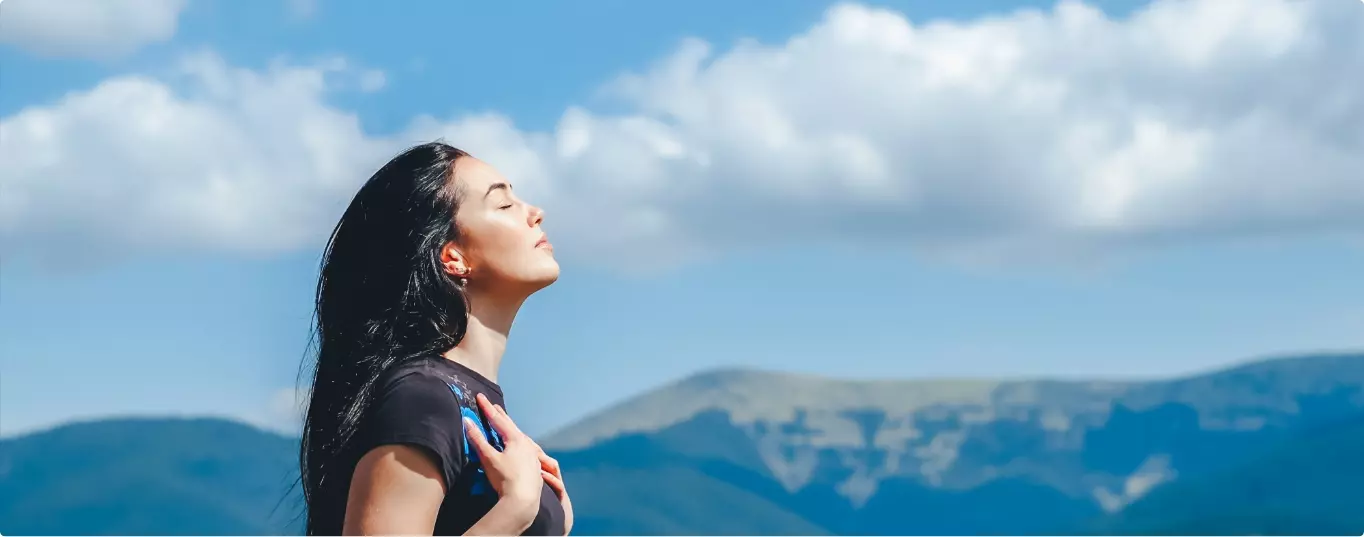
(537, 215)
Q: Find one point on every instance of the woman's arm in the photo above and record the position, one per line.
(397, 490)
(510, 516)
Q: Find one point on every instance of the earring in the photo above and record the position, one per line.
(464, 278)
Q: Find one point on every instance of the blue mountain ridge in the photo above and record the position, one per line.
(1264, 448)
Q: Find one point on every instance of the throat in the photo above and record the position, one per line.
(482, 347)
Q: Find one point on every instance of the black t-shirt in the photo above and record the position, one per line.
(422, 404)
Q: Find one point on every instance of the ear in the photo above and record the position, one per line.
(453, 261)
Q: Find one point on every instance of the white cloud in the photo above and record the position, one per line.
(88, 28)
(245, 161)
(1033, 131)
(373, 80)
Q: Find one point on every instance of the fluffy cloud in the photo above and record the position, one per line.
(1032, 131)
(88, 28)
(243, 161)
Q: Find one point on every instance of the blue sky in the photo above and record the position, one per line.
(889, 189)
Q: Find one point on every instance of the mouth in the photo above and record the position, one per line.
(544, 243)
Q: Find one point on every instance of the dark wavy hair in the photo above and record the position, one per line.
(383, 300)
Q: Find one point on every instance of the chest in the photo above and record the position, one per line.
(472, 495)
(462, 509)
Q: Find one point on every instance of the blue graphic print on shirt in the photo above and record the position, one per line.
(468, 408)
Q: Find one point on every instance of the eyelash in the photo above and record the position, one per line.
(508, 206)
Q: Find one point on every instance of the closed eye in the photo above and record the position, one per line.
(507, 206)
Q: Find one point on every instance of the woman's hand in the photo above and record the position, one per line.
(549, 469)
(515, 471)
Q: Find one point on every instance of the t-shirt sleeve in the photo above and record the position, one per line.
(419, 410)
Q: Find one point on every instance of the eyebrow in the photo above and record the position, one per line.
(496, 186)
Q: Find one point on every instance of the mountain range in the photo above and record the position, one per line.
(1264, 448)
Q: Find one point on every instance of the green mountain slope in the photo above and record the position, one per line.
(147, 477)
(960, 457)
(1310, 485)
(1268, 447)
(632, 487)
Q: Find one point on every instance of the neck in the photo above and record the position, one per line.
(485, 339)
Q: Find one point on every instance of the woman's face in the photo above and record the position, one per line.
(500, 239)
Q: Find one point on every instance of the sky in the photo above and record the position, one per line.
(859, 190)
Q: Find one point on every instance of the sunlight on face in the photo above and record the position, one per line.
(499, 234)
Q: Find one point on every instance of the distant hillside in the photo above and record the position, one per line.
(1310, 485)
(950, 457)
(1269, 447)
(147, 477)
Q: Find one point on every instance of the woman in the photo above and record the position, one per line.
(405, 430)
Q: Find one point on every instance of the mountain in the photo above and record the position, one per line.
(937, 457)
(148, 477)
(1309, 485)
(1267, 447)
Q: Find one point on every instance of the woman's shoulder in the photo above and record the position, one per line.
(414, 405)
(420, 379)
(459, 380)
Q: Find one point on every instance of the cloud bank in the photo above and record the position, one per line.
(1050, 130)
(98, 29)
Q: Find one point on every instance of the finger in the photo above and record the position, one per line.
(485, 450)
(500, 420)
(549, 463)
(506, 416)
(487, 407)
(555, 484)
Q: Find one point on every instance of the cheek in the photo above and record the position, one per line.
(496, 245)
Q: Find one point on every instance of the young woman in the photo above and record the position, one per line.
(406, 431)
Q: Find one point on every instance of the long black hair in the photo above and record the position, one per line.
(383, 300)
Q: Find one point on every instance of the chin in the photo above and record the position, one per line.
(544, 275)
(525, 278)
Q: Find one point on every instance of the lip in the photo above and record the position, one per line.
(544, 243)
